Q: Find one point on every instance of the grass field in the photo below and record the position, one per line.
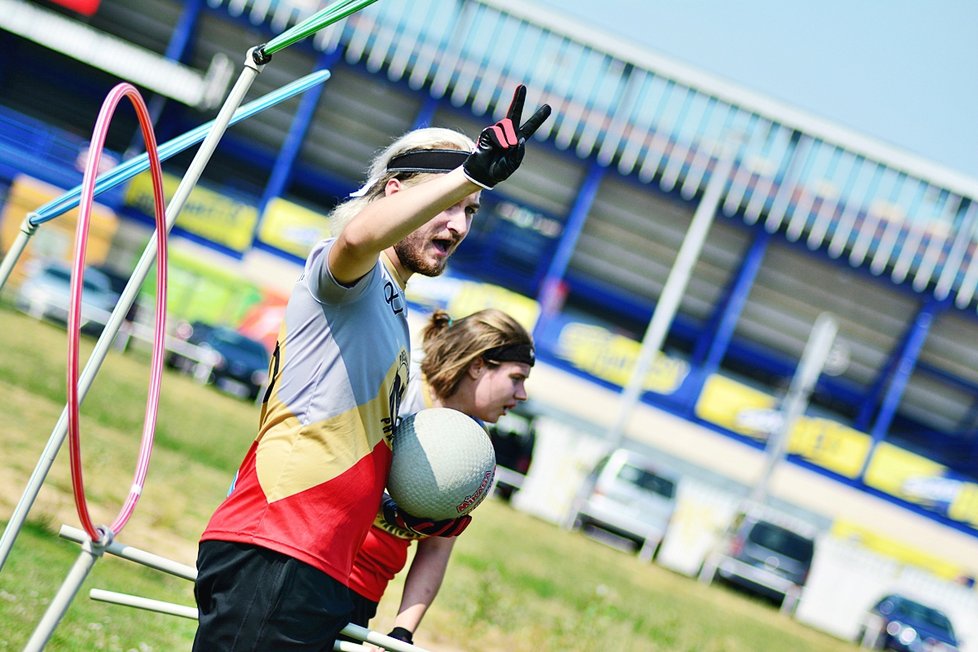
(515, 583)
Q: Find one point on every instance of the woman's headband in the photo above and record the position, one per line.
(427, 160)
(511, 353)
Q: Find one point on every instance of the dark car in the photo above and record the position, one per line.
(763, 557)
(513, 437)
(896, 622)
(221, 356)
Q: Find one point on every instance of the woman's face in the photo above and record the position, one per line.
(498, 388)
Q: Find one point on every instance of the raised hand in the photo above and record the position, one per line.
(500, 147)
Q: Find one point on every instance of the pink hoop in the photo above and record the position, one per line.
(86, 201)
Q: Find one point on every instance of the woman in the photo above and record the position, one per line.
(477, 365)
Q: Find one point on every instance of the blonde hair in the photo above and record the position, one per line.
(451, 346)
(378, 175)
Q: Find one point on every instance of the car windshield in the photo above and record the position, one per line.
(924, 614)
(647, 480)
(64, 275)
(237, 340)
(781, 540)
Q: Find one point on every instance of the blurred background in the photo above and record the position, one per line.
(844, 183)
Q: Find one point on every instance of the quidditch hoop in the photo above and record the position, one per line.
(75, 317)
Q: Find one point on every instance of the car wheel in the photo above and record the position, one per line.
(708, 571)
(203, 374)
(647, 550)
(870, 638)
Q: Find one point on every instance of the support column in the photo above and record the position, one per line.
(713, 343)
(672, 292)
(278, 180)
(549, 294)
(904, 367)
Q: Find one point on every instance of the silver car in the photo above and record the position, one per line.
(46, 294)
(628, 496)
(765, 558)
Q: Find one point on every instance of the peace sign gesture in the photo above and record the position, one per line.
(500, 148)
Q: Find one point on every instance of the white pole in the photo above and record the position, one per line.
(672, 291)
(203, 155)
(148, 604)
(16, 249)
(159, 606)
(62, 599)
(796, 400)
(134, 554)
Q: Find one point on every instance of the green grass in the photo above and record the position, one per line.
(515, 582)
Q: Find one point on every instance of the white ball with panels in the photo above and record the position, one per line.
(443, 464)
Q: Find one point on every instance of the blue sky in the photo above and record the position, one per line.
(902, 71)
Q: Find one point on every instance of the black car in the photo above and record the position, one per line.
(513, 436)
(896, 622)
(221, 356)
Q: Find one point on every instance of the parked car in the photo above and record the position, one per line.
(46, 294)
(220, 356)
(628, 496)
(513, 437)
(896, 622)
(764, 557)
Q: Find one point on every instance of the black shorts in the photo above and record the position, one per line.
(363, 609)
(251, 598)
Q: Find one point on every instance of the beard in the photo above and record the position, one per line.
(410, 251)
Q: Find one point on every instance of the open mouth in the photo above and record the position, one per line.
(444, 246)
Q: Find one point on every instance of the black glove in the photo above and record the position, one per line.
(499, 150)
(402, 634)
(423, 526)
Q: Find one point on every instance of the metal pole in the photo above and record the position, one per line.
(137, 555)
(27, 230)
(111, 328)
(134, 166)
(169, 608)
(62, 600)
(796, 400)
(672, 292)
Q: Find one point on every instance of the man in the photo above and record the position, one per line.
(275, 558)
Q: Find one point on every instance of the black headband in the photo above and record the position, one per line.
(427, 160)
(511, 353)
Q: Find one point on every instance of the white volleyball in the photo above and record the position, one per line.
(443, 464)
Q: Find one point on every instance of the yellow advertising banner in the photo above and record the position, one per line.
(964, 504)
(55, 238)
(206, 213)
(292, 228)
(732, 405)
(612, 357)
(471, 297)
(897, 471)
(830, 444)
(841, 449)
(903, 553)
(920, 480)
(751, 412)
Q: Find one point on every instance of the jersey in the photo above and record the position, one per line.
(384, 550)
(312, 480)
